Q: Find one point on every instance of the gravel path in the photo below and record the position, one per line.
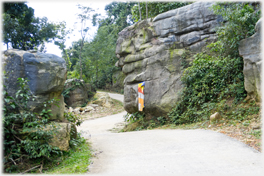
(165, 152)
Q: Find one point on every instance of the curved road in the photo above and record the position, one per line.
(165, 152)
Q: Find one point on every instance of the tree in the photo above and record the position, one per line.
(24, 31)
(84, 16)
(139, 10)
(102, 55)
(239, 23)
(118, 13)
(98, 55)
(19, 11)
(146, 10)
(152, 9)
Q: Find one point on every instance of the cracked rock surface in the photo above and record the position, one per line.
(158, 50)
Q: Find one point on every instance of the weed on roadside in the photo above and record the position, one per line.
(75, 161)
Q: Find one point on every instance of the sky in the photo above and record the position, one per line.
(58, 10)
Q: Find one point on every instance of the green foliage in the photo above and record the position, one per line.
(134, 117)
(239, 23)
(207, 81)
(24, 136)
(214, 77)
(118, 13)
(138, 121)
(184, 57)
(98, 56)
(242, 112)
(21, 11)
(74, 84)
(24, 31)
(101, 55)
(84, 17)
(75, 161)
(154, 8)
(162, 120)
(74, 119)
(256, 133)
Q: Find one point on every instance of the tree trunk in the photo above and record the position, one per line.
(97, 70)
(139, 11)
(146, 10)
(80, 58)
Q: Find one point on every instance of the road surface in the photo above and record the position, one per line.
(165, 152)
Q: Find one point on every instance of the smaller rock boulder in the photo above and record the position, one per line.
(102, 99)
(62, 136)
(215, 117)
(77, 110)
(75, 93)
(62, 133)
(87, 108)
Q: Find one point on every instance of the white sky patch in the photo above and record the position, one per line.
(66, 11)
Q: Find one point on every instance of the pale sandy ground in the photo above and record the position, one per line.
(166, 152)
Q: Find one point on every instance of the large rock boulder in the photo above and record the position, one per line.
(157, 51)
(103, 99)
(250, 50)
(118, 80)
(46, 74)
(77, 93)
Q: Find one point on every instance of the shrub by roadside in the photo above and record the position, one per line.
(27, 146)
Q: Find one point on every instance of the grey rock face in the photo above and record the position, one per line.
(250, 50)
(118, 78)
(78, 95)
(46, 74)
(156, 52)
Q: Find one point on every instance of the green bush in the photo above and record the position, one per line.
(74, 119)
(239, 23)
(217, 76)
(74, 84)
(138, 121)
(24, 137)
(134, 117)
(207, 81)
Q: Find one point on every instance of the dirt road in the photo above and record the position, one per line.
(166, 152)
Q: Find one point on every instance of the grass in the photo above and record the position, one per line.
(76, 161)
